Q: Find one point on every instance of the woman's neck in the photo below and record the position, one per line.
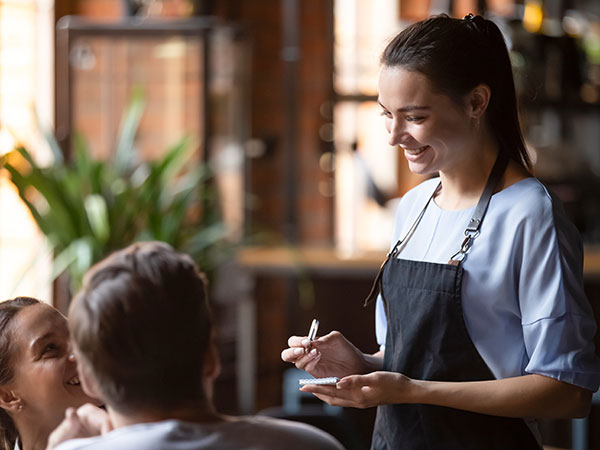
(462, 186)
(33, 439)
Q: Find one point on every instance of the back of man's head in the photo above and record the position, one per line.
(141, 323)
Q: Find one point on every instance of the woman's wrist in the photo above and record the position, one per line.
(416, 391)
(372, 363)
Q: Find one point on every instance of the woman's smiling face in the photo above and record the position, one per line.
(431, 128)
(45, 374)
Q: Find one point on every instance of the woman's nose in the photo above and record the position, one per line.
(396, 131)
(70, 353)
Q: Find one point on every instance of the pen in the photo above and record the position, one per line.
(312, 333)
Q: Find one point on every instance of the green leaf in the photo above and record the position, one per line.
(174, 159)
(129, 126)
(97, 215)
(89, 207)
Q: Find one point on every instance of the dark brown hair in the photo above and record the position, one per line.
(456, 55)
(142, 323)
(8, 310)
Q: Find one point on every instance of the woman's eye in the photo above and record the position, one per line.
(414, 118)
(49, 348)
(386, 114)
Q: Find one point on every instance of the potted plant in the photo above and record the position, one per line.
(89, 207)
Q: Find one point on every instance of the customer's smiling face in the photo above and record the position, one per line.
(45, 373)
(431, 128)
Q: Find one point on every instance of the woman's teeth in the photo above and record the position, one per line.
(415, 151)
(74, 381)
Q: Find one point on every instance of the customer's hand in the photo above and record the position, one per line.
(86, 421)
(331, 355)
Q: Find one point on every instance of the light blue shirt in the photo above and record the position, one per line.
(522, 292)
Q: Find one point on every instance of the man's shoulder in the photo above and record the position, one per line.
(296, 434)
(252, 433)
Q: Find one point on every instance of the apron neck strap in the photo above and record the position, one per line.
(472, 230)
(490, 186)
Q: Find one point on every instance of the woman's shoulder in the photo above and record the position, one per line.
(529, 206)
(527, 197)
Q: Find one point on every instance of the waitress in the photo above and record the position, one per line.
(481, 315)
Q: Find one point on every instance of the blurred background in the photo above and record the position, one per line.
(284, 186)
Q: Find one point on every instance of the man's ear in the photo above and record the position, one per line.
(478, 100)
(9, 401)
(88, 381)
(212, 362)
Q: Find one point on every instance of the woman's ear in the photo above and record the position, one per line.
(9, 401)
(478, 100)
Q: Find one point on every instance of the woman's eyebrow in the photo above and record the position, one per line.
(407, 108)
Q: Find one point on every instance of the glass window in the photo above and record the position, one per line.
(369, 174)
(26, 85)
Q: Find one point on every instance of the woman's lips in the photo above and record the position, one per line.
(413, 154)
(415, 151)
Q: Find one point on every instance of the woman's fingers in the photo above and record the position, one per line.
(296, 341)
(312, 360)
(292, 354)
(334, 396)
(352, 391)
(300, 358)
(299, 347)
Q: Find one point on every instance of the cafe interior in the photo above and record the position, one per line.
(290, 182)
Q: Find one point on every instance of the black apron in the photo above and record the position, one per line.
(427, 339)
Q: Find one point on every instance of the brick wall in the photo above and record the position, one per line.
(263, 21)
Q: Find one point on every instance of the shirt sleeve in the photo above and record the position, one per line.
(557, 318)
(380, 323)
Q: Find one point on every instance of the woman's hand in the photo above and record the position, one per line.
(366, 391)
(331, 355)
(86, 421)
(524, 396)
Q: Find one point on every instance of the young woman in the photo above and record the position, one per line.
(38, 373)
(482, 319)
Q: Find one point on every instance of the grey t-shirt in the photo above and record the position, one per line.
(250, 433)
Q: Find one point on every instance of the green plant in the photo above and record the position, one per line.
(88, 208)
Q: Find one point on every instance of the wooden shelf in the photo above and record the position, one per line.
(289, 260)
(313, 259)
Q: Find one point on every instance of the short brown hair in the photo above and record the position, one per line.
(142, 323)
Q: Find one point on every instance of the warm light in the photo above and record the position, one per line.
(26, 30)
(7, 142)
(533, 16)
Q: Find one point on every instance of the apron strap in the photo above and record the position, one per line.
(472, 230)
(377, 289)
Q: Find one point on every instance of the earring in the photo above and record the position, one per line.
(20, 406)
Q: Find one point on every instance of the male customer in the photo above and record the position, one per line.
(142, 334)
